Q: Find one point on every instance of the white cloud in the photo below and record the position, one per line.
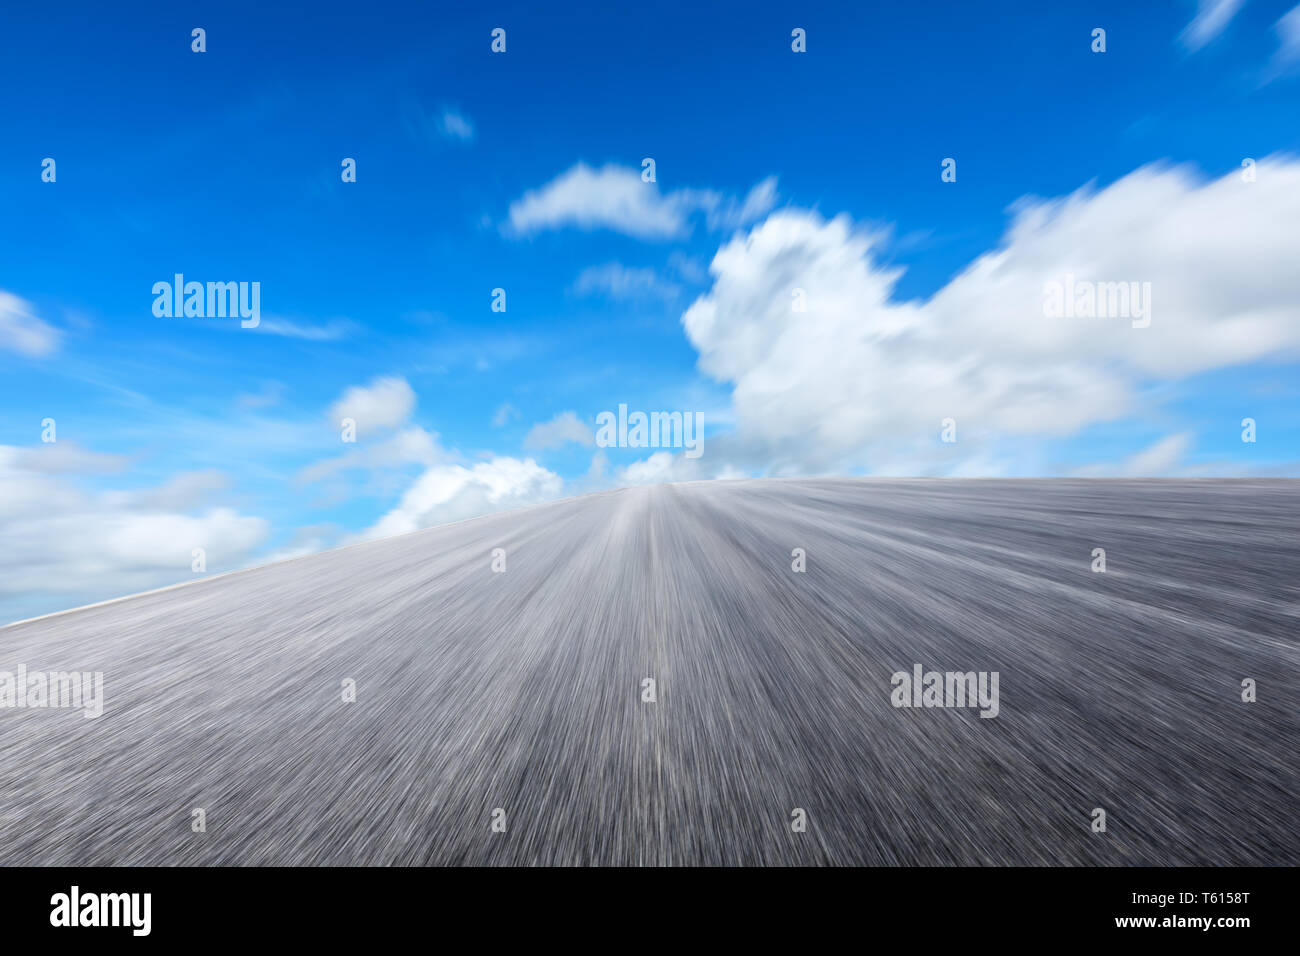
(310, 539)
(727, 213)
(385, 441)
(1161, 458)
(616, 198)
(270, 394)
(690, 269)
(1212, 17)
(22, 331)
(88, 546)
(504, 413)
(65, 457)
(731, 473)
(610, 198)
(181, 492)
(385, 403)
(434, 127)
(660, 467)
(560, 430)
(453, 492)
(453, 125)
(445, 490)
(1288, 34)
(331, 331)
(859, 379)
(408, 446)
(622, 282)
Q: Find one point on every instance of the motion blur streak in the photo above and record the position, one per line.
(522, 690)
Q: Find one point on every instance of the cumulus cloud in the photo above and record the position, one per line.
(384, 403)
(22, 331)
(560, 430)
(859, 381)
(387, 443)
(616, 198)
(1212, 17)
(610, 198)
(661, 467)
(88, 546)
(453, 492)
(445, 490)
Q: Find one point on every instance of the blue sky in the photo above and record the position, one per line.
(521, 171)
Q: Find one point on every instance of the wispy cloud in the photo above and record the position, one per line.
(621, 282)
(690, 270)
(1160, 459)
(504, 413)
(331, 331)
(270, 394)
(432, 127)
(65, 457)
(726, 212)
(1212, 18)
(22, 331)
(411, 445)
(453, 125)
(1288, 34)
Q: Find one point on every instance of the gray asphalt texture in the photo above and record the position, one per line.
(522, 690)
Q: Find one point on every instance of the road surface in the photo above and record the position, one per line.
(522, 691)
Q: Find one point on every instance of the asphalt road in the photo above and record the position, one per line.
(522, 690)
